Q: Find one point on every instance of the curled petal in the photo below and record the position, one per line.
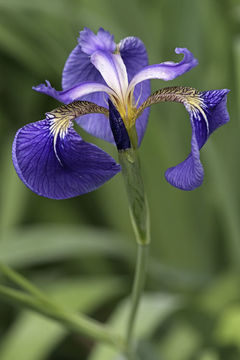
(75, 93)
(135, 57)
(59, 166)
(206, 116)
(167, 70)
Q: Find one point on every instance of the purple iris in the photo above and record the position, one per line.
(106, 90)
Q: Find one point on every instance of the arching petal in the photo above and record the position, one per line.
(73, 94)
(59, 168)
(189, 174)
(167, 70)
(135, 58)
(95, 124)
(113, 70)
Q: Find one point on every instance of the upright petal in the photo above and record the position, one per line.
(166, 70)
(62, 166)
(90, 42)
(78, 68)
(209, 114)
(135, 58)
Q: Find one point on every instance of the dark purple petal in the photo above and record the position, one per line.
(118, 128)
(189, 174)
(135, 57)
(72, 168)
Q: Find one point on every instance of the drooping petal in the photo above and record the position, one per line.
(59, 167)
(113, 70)
(135, 58)
(167, 70)
(207, 116)
(95, 124)
(73, 94)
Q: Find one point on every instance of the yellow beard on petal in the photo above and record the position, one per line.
(195, 105)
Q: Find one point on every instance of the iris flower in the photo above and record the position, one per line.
(106, 91)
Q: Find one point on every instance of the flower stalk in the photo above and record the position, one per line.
(138, 285)
(138, 205)
(139, 213)
(34, 299)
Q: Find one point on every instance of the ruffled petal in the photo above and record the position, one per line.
(167, 70)
(90, 42)
(135, 58)
(59, 167)
(78, 68)
(189, 174)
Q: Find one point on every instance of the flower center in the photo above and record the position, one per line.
(127, 109)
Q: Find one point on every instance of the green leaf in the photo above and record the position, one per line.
(12, 192)
(41, 244)
(33, 337)
(153, 310)
(215, 298)
(227, 331)
(181, 342)
(209, 354)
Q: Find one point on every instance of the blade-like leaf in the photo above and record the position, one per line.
(33, 337)
(40, 244)
(153, 310)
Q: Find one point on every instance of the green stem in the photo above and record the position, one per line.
(21, 281)
(138, 205)
(138, 285)
(139, 213)
(76, 322)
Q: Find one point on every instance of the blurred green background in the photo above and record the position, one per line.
(82, 250)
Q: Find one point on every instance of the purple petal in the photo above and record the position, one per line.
(72, 168)
(189, 174)
(70, 95)
(90, 42)
(167, 70)
(134, 55)
(78, 68)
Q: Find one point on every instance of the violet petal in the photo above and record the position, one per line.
(189, 174)
(72, 168)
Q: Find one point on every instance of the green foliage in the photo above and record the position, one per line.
(82, 251)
